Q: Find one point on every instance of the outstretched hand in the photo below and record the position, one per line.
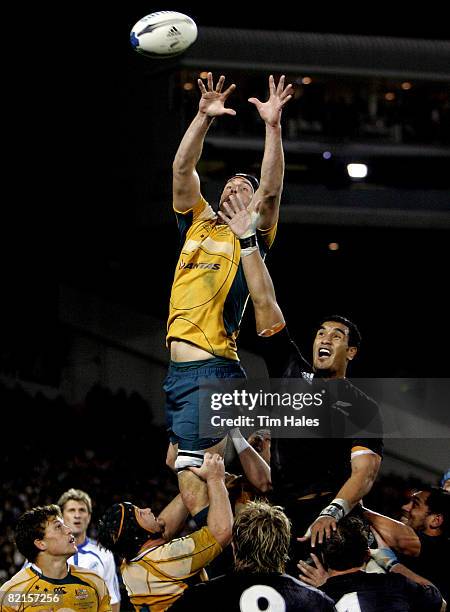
(212, 102)
(320, 530)
(236, 215)
(270, 111)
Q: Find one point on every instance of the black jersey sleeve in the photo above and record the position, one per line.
(282, 356)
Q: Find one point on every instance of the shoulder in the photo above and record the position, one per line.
(19, 581)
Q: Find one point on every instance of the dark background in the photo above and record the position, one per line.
(78, 153)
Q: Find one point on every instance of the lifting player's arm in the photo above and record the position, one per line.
(364, 471)
(173, 517)
(186, 182)
(272, 168)
(220, 515)
(396, 535)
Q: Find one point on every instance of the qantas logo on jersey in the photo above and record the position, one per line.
(199, 265)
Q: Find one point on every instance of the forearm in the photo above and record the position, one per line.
(220, 516)
(364, 472)
(256, 469)
(174, 516)
(272, 167)
(191, 145)
(396, 535)
(399, 568)
(272, 172)
(262, 292)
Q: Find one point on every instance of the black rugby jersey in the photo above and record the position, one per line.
(241, 591)
(364, 592)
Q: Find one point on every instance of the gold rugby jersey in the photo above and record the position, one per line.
(209, 290)
(157, 577)
(80, 591)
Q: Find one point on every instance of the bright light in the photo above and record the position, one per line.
(357, 170)
(333, 246)
(326, 155)
(389, 96)
(188, 86)
(204, 74)
(306, 80)
(406, 85)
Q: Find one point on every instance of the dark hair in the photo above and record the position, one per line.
(347, 546)
(119, 531)
(438, 502)
(354, 335)
(31, 526)
(248, 177)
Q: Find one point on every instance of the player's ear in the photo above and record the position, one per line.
(351, 352)
(40, 545)
(437, 520)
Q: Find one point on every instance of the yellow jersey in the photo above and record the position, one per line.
(80, 591)
(209, 290)
(158, 576)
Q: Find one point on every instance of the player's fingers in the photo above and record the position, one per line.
(305, 568)
(201, 86)
(220, 83)
(228, 91)
(280, 85)
(283, 102)
(210, 82)
(271, 85)
(236, 202)
(316, 561)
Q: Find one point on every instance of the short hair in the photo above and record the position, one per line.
(76, 495)
(347, 546)
(31, 526)
(119, 531)
(438, 502)
(261, 536)
(248, 177)
(354, 335)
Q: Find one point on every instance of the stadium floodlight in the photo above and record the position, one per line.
(357, 170)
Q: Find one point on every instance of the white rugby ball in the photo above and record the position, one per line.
(163, 34)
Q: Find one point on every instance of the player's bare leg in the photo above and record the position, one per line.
(193, 490)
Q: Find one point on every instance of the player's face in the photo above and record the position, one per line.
(237, 186)
(76, 516)
(147, 520)
(416, 512)
(330, 350)
(58, 539)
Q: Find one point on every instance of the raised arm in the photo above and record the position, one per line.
(268, 314)
(173, 517)
(272, 169)
(220, 515)
(186, 182)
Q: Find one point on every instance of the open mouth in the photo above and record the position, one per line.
(324, 353)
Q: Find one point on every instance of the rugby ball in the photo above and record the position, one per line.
(163, 34)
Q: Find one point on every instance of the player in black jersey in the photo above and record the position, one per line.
(345, 555)
(261, 535)
(422, 554)
(309, 473)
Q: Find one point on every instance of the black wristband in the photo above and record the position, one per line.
(248, 242)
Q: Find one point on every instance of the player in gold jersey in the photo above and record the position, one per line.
(209, 289)
(50, 583)
(158, 567)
